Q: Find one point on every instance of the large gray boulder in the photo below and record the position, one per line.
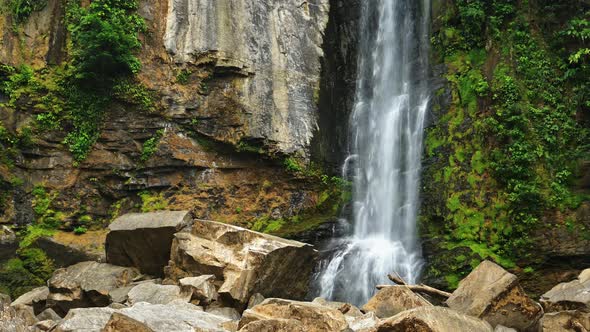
(12, 320)
(143, 240)
(175, 317)
(565, 321)
(85, 319)
(312, 316)
(86, 284)
(390, 301)
(243, 262)
(143, 317)
(491, 293)
(433, 319)
(157, 294)
(35, 298)
(571, 295)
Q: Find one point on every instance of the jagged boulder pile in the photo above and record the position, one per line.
(222, 278)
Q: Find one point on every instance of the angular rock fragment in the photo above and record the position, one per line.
(274, 325)
(365, 323)
(44, 325)
(229, 313)
(433, 319)
(390, 301)
(312, 316)
(565, 321)
(491, 293)
(243, 262)
(143, 240)
(35, 298)
(48, 314)
(571, 295)
(174, 317)
(346, 308)
(202, 288)
(156, 294)
(85, 319)
(120, 323)
(86, 284)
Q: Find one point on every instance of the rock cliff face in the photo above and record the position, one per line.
(235, 86)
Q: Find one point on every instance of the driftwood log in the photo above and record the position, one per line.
(421, 288)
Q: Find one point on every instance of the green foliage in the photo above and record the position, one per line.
(183, 76)
(510, 136)
(30, 269)
(80, 230)
(152, 202)
(103, 39)
(150, 146)
(36, 261)
(292, 165)
(133, 92)
(32, 233)
(20, 10)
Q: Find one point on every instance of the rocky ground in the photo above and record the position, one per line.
(167, 271)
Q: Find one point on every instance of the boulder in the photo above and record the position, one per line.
(85, 319)
(120, 323)
(571, 295)
(86, 284)
(390, 301)
(243, 262)
(35, 298)
(274, 325)
(26, 313)
(565, 321)
(48, 314)
(312, 316)
(11, 321)
(178, 317)
(44, 325)
(143, 240)
(255, 299)
(346, 308)
(365, 323)
(433, 319)
(491, 293)
(229, 313)
(202, 288)
(157, 294)
(502, 328)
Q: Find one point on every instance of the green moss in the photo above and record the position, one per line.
(152, 202)
(293, 165)
(183, 76)
(150, 146)
(452, 281)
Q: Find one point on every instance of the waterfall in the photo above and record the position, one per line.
(386, 132)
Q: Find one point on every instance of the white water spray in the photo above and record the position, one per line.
(386, 141)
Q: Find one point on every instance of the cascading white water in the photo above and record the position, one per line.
(386, 141)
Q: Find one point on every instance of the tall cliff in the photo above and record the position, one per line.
(506, 155)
